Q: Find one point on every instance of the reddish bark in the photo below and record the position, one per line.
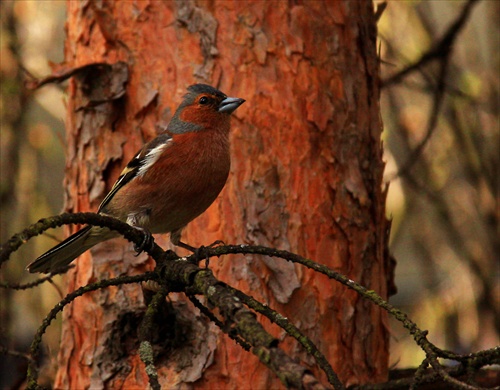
(306, 176)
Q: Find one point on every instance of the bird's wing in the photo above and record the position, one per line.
(139, 165)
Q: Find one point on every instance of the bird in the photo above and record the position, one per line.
(172, 180)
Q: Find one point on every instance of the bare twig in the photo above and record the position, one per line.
(293, 331)
(440, 50)
(438, 98)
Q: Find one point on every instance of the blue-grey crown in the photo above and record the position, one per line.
(204, 88)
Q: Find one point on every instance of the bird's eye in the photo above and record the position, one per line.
(203, 100)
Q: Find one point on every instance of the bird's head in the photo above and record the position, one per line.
(203, 108)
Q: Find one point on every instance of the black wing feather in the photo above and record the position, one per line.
(132, 168)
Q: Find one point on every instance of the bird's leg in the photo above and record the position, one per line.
(175, 238)
(186, 246)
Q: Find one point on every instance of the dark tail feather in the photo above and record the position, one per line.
(68, 250)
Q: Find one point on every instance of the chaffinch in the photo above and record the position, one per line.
(170, 181)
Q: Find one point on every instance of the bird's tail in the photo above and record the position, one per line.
(69, 249)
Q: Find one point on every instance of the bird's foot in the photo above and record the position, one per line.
(147, 242)
(201, 253)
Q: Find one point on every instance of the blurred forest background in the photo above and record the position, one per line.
(442, 150)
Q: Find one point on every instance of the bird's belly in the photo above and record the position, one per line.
(175, 213)
(162, 211)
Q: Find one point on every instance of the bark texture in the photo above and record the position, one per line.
(306, 176)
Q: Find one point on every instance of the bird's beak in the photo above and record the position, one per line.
(229, 104)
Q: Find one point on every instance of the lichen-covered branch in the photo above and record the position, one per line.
(175, 274)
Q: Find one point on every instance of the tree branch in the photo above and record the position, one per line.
(175, 274)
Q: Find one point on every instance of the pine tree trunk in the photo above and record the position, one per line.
(306, 176)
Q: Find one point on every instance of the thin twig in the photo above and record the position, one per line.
(293, 331)
(441, 49)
